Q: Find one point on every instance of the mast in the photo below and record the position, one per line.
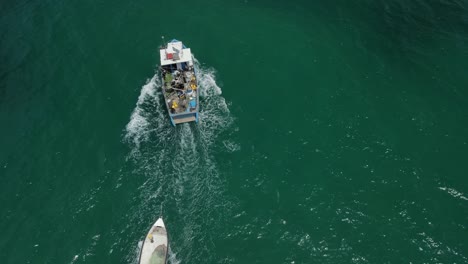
(164, 45)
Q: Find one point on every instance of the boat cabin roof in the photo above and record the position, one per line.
(175, 53)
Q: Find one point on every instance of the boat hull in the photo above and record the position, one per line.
(179, 83)
(155, 246)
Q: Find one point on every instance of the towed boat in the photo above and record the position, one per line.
(180, 88)
(154, 248)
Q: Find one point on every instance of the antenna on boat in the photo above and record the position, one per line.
(164, 42)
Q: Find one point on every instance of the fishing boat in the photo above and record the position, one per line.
(180, 88)
(154, 248)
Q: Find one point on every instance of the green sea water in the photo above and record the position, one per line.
(330, 132)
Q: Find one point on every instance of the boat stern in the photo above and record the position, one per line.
(184, 118)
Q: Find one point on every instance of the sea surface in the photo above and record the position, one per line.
(330, 131)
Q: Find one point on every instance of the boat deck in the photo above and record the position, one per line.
(180, 88)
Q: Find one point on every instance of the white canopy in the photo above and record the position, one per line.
(179, 54)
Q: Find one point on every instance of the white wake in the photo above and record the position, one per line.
(178, 163)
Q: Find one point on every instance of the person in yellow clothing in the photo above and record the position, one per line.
(193, 84)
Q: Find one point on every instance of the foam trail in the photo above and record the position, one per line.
(137, 129)
(215, 116)
(172, 259)
(149, 118)
(454, 193)
(179, 165)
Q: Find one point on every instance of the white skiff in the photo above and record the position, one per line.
(154, 248)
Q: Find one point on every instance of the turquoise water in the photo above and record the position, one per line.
(330, 132)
